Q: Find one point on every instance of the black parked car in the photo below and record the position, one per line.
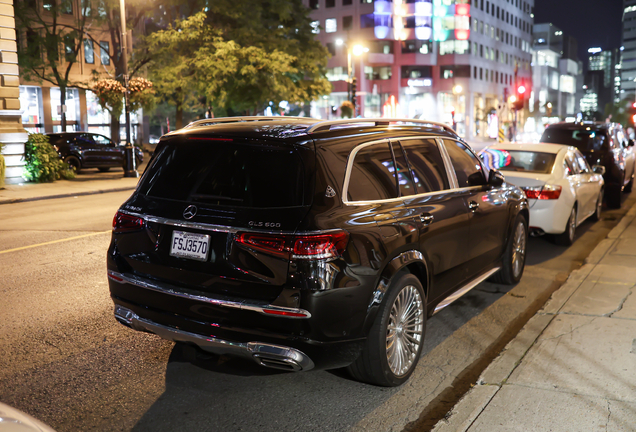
(90, 150)
(602, 144)
(306, 244)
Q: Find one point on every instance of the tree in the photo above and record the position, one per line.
(240, 61)
(54, 37)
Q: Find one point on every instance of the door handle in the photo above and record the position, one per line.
(473, 205)
(426, 219)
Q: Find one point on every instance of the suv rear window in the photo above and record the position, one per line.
(227, 174)
(584, 140)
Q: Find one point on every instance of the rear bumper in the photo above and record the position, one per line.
(274, 356)
(549, 216)
(231, 326)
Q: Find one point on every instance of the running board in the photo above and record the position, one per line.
(463, 290)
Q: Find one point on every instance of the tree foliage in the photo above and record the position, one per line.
(54, 37)
(240, 55)
(42, 162)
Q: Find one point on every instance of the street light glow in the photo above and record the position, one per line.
(339, 42)
(457, 89)
(359, 49)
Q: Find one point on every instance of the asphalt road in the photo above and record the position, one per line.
(66, 361)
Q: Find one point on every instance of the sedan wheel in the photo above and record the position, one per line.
(599, 206)
(567, 238)
(395, 341)
(514, 259)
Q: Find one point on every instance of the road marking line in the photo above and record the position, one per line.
(54, 241)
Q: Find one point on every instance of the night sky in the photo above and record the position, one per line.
(594, 23)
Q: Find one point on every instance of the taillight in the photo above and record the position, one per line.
(123, 222)
(546, 192)
(309, 246)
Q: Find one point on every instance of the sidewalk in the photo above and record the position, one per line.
(88, 182)
(572, 367)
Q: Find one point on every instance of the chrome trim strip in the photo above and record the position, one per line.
(463, 290)
(260, 308)
(220, 120)
(450, 171)
(318, 127)
(260, 352)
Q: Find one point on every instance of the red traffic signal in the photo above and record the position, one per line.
(521, 89)
(634, 105)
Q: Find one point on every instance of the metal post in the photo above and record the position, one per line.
(130, 169)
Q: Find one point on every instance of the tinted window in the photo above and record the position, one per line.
(372, 174)
(227, 174)
(467, 167)
(102, 140)
(427, 164)
(513, 160)
(405, 180)
(584, 140)
(84, 140)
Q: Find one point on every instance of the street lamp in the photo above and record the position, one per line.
(356, 50)
(131, 168)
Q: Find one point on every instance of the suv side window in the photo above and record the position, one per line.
(468, 168)
(372, 174)
(84, 140)
(405, 179)
(102, 140)
(427, 164)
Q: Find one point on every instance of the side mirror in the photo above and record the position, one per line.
(599, 169)
(496, 178)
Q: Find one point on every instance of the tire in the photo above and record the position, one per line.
(613, 196)
(103, 169)
(599, 206)
(567, 238)
(628, 186)
(514, 258)
(390, 354)
(74, 163)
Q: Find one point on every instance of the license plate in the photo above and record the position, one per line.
(190, 245)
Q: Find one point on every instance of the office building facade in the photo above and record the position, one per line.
(442, 60)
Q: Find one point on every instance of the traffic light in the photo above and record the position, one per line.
(519, 97)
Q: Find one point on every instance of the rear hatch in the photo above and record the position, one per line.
(197, 197)
(592, 143)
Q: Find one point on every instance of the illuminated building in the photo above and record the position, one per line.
(420, 50)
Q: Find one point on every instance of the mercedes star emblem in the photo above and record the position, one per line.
(189, 212)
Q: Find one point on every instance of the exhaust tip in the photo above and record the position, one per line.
(276, 363)
(280, 357)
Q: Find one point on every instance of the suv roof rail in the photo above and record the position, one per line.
(326, 125)
(213, 121)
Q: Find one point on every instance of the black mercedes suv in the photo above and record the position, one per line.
(602, 144)
(303, 244)
(90, 150)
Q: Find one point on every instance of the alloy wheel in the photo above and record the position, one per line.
(518, 250)
(405, 330)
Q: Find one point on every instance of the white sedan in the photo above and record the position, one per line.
(561, 188)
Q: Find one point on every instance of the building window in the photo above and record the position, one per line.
(346, 2)
(367, 20)
(89, 52)
(337, 73)
(454, 71)
(377, 73)
(416, 72)
(415, 46)
(481, 73)
(67, 7)
(347, 22)
(330, 3)
(314, 4)
(366, 1)
(475, 72)
(331, 25)
(315, 27)
(331, 47)
(104, 52)
(454, 47)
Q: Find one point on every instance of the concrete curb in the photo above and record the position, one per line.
(470, 406)
(65, 195)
